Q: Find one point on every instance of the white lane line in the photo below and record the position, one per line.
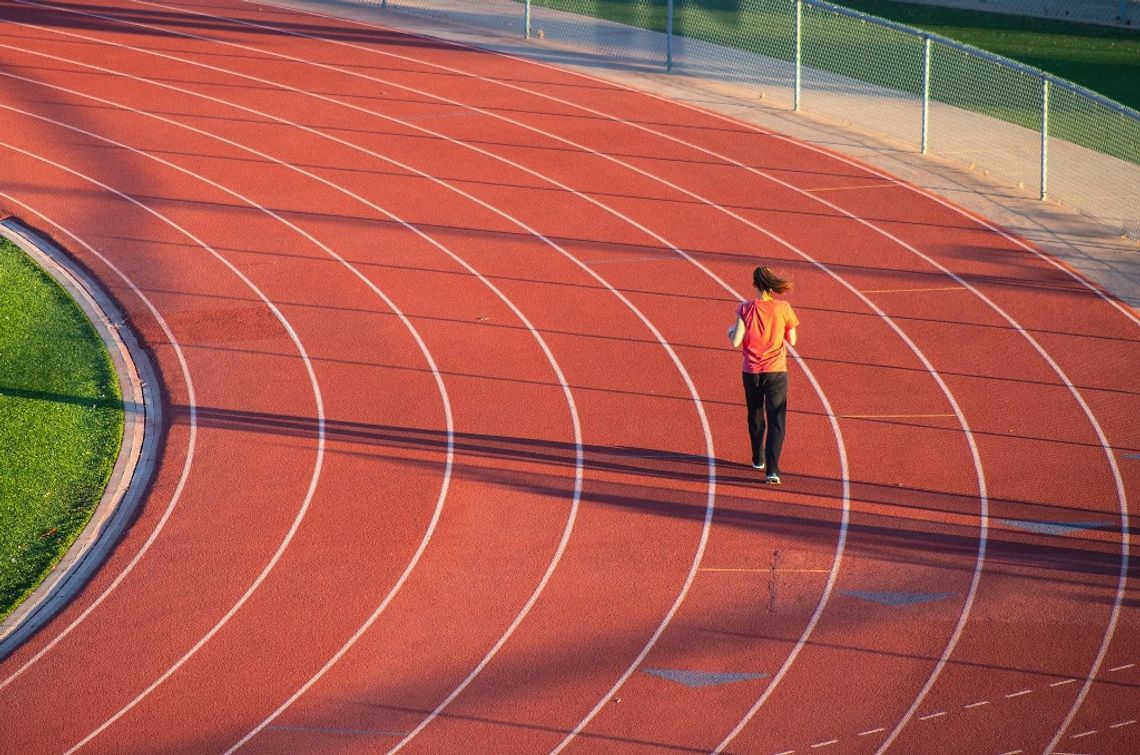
(707, 431)
(561, 378)
(1022, 693)
(931, 716)
(1084, 734)
(811, 379)
(414, 561)
(1110, 628)
(1122, 498)
(1063, 682)
(978, 704)
(869, 732)
(313, 382)
(1122, 668)
(937, 377)
(828, 743)
(566, 533)
(191, 441)
(1122, 724)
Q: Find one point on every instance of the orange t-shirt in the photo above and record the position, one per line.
(765, 323)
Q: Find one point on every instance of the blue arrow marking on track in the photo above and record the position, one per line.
(702, 678)
(897, 599)
(1053, 528)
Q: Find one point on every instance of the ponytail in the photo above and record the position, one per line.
(765, 280)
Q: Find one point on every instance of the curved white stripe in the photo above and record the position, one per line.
(579, 453)
(710, 502)
(930, 368)
(844, 470)
(191, 442)
(1061, 374)
(314, 383)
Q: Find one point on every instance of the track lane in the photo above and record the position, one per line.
(209, 447)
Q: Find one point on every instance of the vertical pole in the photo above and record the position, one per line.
(798, 55)
(669, 35)
(925, 142)
(526, 19)
(1044, 136)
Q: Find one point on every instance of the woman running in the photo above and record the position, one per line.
(764, 328)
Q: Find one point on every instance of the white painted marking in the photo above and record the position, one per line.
(1122, 724)
(978, 704)
(1063, 682)
(869, 732)
(828, 743)
(188, 462)
(1121, 668)
(1022, 693)
(1083, 734)
(810, 376)
(313, 382)
(930, 716)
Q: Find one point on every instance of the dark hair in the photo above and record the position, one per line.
(765, 280)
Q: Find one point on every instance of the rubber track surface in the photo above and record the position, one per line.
(457, 458)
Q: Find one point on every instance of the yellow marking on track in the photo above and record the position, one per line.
(912, 290)
(766, 571)
(895, 416)
(850, 187)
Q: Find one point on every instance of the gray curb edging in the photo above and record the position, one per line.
(136, 463)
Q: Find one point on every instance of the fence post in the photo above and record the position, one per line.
(526, 19)
(925, 93)
(669, 35)
(798, 80)
(1044, 136)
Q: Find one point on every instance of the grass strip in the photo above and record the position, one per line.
(61, 423)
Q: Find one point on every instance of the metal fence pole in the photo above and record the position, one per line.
(669, 35)
(925, 142)
(798, 81)
(1044, 136)
(526, 19)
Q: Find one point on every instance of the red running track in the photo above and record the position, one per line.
(456, 457)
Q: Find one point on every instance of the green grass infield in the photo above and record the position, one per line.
(61, 423)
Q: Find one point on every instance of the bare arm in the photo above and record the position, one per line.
(790, 336)
(736, 333)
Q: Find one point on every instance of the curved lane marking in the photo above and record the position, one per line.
(845, 477)
(285, 324)
(1122, 498)
(687, 379)
(579, 451)
(191, 443)
(314, 384)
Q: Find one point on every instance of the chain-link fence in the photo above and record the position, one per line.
(1013, 122)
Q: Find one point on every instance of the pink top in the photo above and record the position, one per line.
(766, 321)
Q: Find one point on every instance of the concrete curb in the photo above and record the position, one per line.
(136, 463)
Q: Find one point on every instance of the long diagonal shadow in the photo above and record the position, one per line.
(663, 484)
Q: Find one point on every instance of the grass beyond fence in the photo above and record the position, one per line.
(61, 423)
(1105, 60)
